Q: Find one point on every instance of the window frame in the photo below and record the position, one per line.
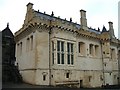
(91, 50)
(96, 50)
(60, 52)
(70, 53)
(82, 48)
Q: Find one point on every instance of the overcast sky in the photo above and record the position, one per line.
(99, 12)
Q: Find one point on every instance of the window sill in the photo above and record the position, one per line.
(69, 65)
(80, 55)
(60, 64)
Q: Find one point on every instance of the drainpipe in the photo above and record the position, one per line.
(102, 63)
(49, 55)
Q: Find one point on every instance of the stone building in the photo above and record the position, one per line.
(10, 72)
(54, 51)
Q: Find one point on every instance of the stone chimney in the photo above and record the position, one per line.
(110, 25)
(111, 30)
(29, 13)
(83, 20)
(29, 6)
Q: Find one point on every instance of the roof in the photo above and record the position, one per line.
(52, 17)
(104, 29)
(7, 32)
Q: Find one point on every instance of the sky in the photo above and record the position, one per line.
(98, 12)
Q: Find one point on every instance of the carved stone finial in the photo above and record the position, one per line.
(52, 13)
(104, 29)
(98, 29)
(8, 24)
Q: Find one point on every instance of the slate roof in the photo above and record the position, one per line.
(7, 32)
(52, 17)
(104, 29)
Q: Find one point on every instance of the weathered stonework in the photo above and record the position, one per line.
(88, 57)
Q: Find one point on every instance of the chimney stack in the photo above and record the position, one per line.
(29, 6)
(110, 25)
(29, 13)
(83, 20)
(111, 30)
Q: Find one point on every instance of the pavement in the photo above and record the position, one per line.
(26, 85)
(23, 85)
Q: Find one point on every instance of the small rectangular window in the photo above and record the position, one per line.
(31, 42)
(81, 48)
(67, 75)
(89, 78)
(44, 77)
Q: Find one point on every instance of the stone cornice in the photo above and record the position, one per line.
(45, 27)
(31, 28)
